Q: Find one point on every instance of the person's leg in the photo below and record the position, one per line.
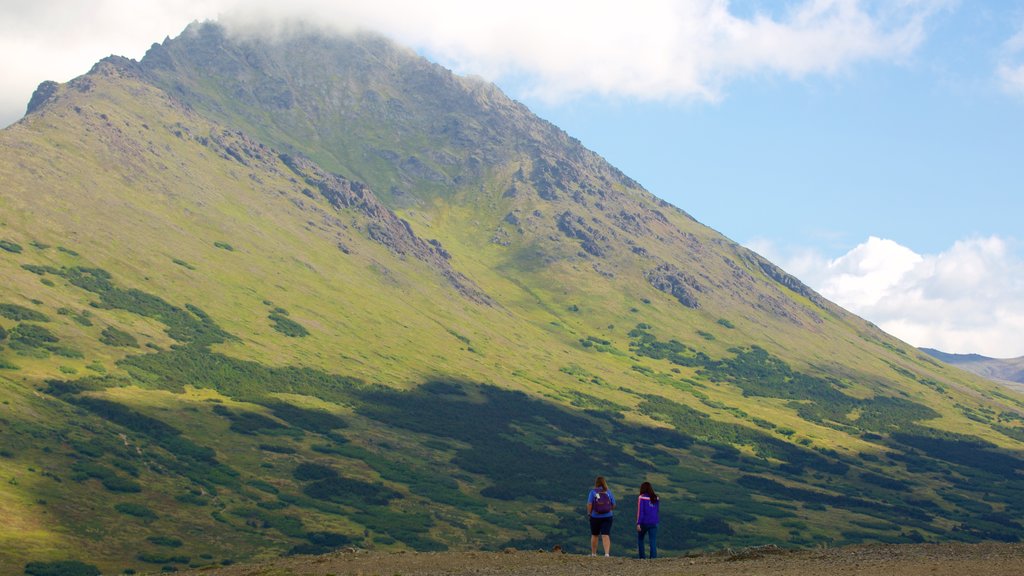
(607, 541)
(640, 542)
(593, 545)
(652, 533)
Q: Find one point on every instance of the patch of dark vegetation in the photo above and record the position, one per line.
(320, 543)
(966, 451)
(646, 344)
(725, 435)
(252, 423)
(310, 471)
(166, 541)
(183, 263)
(285, 325)
(35, 340)
(21, 313)
(136, 510)
(278, 449)
(224, 246)
(190, 325)
(760, 374)
(61, 568)
(191, 460)
(115, 337)
(67, 251)
(12, 247)
(311, 420)
(157, 558)
(350, 492)
(775, 489)
(172, 370)
(83, 318)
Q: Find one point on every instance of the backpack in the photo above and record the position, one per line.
(602, 503)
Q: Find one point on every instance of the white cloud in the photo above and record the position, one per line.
(967, 299)
(650, 50)
(1011, 67)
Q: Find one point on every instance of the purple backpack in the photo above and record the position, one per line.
(602, 503)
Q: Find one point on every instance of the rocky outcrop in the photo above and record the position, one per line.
(383, 226)
(671, 280)
(592, 240)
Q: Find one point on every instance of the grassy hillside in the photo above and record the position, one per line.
(219, 342)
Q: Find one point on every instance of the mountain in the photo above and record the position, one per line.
(270, 296)
(1009, 371)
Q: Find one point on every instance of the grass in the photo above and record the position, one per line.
(377, 327)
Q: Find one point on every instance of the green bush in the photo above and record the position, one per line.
(31, 336)
(310, 471)
(167, 541)
(61, 568)
(224, 246)
(154, 558)
(19, 313)
(287, 326)
(114, 337)
(183, 264)
(137, 510)
(10, 246)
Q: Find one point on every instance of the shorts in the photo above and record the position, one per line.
(600, 526)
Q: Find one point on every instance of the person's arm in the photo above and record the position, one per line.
(638, 513)
(590, 502)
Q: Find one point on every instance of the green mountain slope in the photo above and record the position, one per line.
(268, 297)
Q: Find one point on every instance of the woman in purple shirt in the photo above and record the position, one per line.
(647, 519)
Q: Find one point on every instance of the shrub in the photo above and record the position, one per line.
(119, 484)
(277, 449)
(10, 246)
(165, 541)
(114, 337)
(137, 510)
(183, 264)
(61, 568)
(32, 336)
(287, 326)
(309, 471)
(163, 559)
(224, 246)
(16, 312)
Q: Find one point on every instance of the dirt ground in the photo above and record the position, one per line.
(988, 559)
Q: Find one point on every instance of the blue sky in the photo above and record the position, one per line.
(873, 148)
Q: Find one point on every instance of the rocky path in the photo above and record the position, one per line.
(870, 560)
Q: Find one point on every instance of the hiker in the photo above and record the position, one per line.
(647, 505)
(600, 504)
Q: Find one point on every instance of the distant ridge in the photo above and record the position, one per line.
(1001, 370)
